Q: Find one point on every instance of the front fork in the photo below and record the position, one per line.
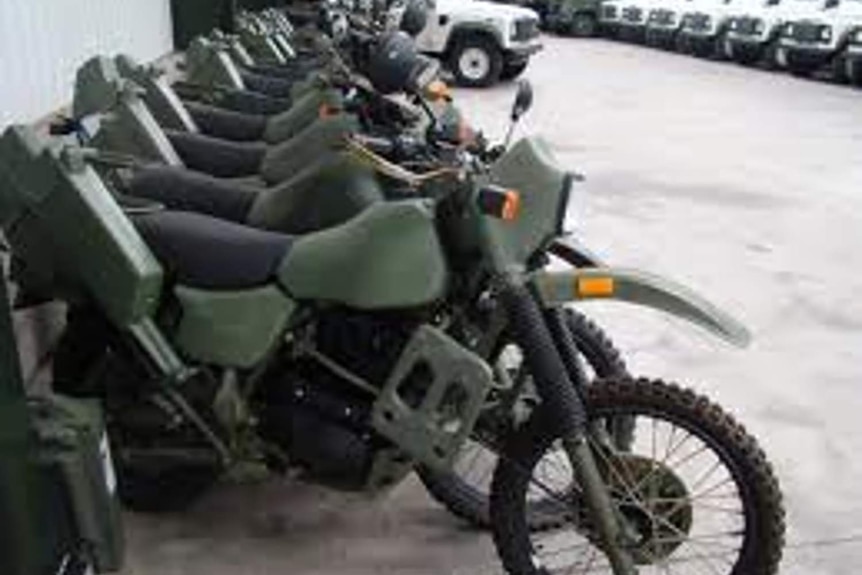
(562, 401)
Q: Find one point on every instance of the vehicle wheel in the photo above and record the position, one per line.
(652, 38)
(747, 56)
(512, 70)
(693, 477)
(583, 25)
(83, 348)
(718, 46)
(769, 56)
(476, 61)
(800, 67)
(682, 44)
(838, 70)
(465, 490)
(854, 72)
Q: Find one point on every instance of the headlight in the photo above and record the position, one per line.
(759, 27)
(857, 37)
(732, 24)
(826, 33)
(788, 30)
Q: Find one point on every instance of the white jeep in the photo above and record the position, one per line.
(753, 35)
(818, 42)
(632, 15)
(853, 57)
(706, 23)
(479, 41)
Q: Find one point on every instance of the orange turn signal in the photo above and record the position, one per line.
(501, 203)
(511, 205)
(326, 111)
(438, 90)
(596, 286)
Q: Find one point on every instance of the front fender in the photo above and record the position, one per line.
(641, 288)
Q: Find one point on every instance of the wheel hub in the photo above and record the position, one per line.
(654, 504)
(474, 63)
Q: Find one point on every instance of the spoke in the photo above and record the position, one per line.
(685, 538)
(664, 461)
(613, 469)
(711, 490)
(700, 481)
(691, 456)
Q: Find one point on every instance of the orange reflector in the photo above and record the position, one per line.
(595, 287)
(511, 205)
(326, 111)
(438, 90)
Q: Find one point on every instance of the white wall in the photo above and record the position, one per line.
(42, 43)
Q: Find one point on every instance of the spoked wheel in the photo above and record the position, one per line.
(694, 494)
(465, 490)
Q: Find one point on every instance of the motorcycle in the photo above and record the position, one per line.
(468, 496)
(223, 344)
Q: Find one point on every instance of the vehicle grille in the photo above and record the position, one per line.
(698, 22)
(662, 17)
(525, 30)
(633, 14)
(807, 32)
(609, 12)
(746, 26)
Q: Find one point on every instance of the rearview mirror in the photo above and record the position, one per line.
(523, 99)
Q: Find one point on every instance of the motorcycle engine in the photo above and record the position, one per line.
(322, 422)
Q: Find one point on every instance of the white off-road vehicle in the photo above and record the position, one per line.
(753, 35)
(853, 57)
(480, 42)
(705, 25)
(819, 40)
(609, 17)
(665, 21)
(633, 18)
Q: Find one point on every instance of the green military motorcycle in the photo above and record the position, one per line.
(358, 352)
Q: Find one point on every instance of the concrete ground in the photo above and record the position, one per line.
(745, 185)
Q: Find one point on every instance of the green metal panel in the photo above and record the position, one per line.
(56, 495)
(209, 64)
(530, 169)
(234, 328)
(21, 550)
(131, 129)
(58, 206)
(389, 256)
(159, 95)
(72, 442)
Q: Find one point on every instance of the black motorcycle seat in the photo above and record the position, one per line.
(190, 191)
(227, 124)
(269, 85)
(216, 156)
(293, 70)
(209, 253)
